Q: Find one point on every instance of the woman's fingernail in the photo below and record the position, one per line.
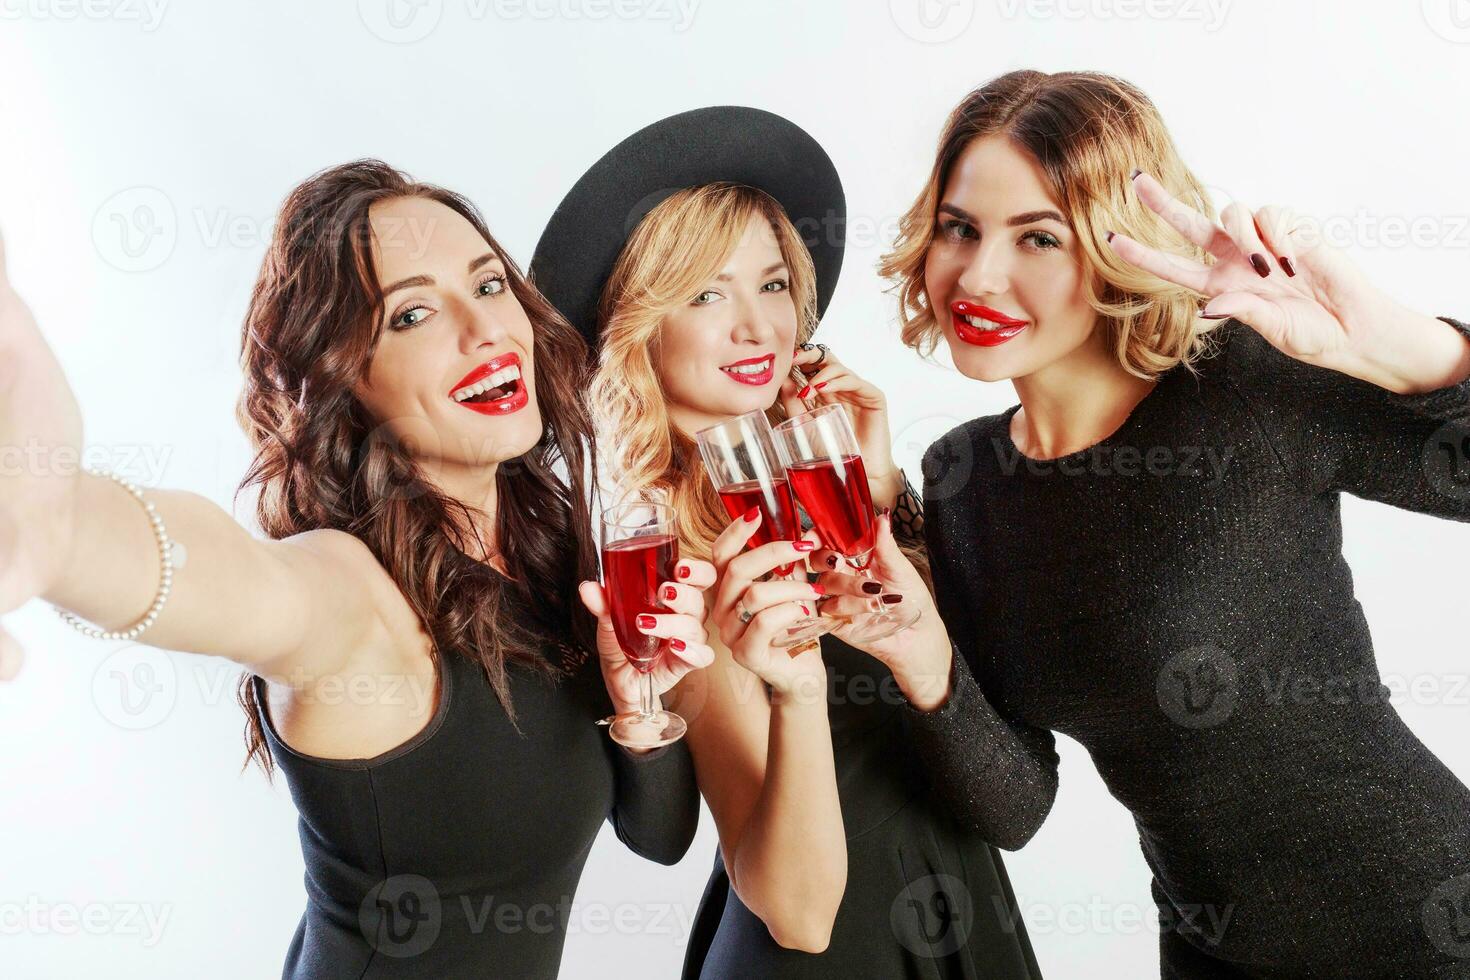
(1215, 316)
(1259, 263)
(804, 392)
(752, 514)
(1286, 264)
(884, 512)
(892, 597)
(831, 561)
(677, 644)
(803, 545)
(646, 622)
(1108, 237)
(682, 571)
(821, 385)
(1134, 175)
(805, 611)
(872, 588)
(671, 593)
(818, 588)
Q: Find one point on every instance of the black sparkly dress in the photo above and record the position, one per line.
(1175, 598)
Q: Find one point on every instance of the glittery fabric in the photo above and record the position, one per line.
(1176, 600)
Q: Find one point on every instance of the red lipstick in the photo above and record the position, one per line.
(762, 377)
(514, 401)
(979, 336)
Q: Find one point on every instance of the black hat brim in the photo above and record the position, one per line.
(581, 243)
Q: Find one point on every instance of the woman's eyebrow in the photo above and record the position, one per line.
(1025, 218)
(413, 281)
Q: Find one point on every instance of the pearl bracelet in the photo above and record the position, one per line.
(165, 585)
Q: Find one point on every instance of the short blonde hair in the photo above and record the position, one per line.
(672, 253)
(1088, 132)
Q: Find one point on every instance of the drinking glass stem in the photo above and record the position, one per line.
(645, 695)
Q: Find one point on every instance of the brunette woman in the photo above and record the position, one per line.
(412, 402)
(678, 252)
(1146, 552)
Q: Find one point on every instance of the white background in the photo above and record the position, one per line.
(145, 152)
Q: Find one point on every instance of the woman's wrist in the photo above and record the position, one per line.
(886, 486)
(925, 680)
(1419, 352)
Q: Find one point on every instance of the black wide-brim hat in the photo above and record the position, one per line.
(738, 144)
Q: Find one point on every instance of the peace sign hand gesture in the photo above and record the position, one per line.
(1273, 271)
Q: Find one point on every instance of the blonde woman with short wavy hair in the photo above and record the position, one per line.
(1146, 551)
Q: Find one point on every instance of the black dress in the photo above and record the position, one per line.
(1176, 600)
(925, 898)
(457, 854)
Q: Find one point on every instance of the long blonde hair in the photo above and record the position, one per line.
(671, 254)
(1088, 132)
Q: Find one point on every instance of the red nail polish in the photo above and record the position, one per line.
(821, 385)
(671, 593)
(646, 622)
(818, 588)
(677, 644)
(803, 545)
(752, 514)
(803, 393)
(805, 611)
(683, 571)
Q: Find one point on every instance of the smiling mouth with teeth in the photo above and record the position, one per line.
(500, 392)
(754, 371)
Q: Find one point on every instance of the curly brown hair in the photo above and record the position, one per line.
(322, 462)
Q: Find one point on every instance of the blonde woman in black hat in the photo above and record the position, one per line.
(678, 253)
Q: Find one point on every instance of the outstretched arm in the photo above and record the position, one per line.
(85, 544)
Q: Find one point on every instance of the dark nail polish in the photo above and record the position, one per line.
(1109, 236)
(1215, 316)
(671, 593)
(752, 514)
(891, 598)
(1286, 264)
(884, 512)
(831, 561)
(1134, 175)
(872, 588)
(646, 622)
(1259, 263)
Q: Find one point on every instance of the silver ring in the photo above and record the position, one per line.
(744, 614)
(819, 360)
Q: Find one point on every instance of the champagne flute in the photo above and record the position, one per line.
(743, 465)
(826, 473)
(640, 546)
